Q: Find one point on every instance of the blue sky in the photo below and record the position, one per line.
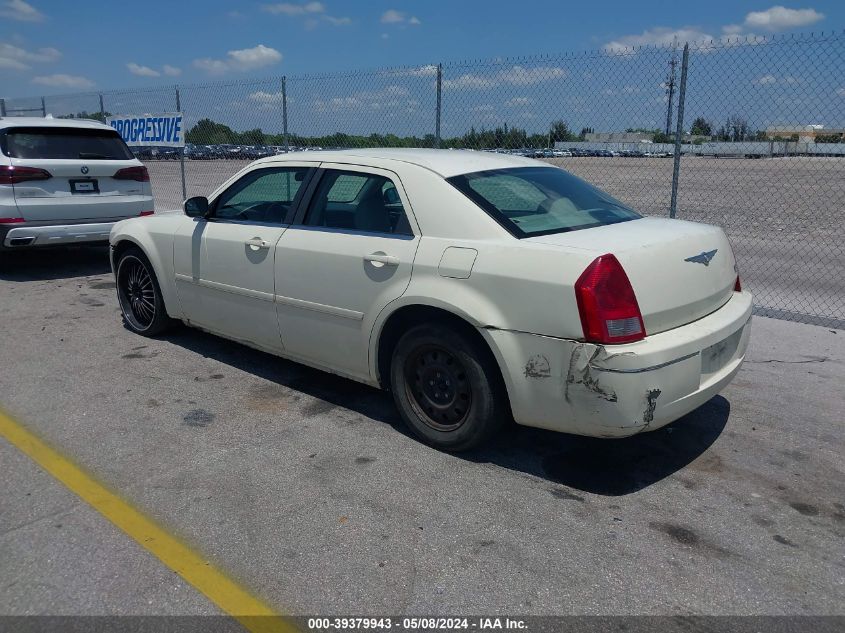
(51, 46)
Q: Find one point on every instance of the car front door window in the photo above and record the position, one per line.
(263, 195)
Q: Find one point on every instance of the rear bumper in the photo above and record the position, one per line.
(27, 235)
(620, 390)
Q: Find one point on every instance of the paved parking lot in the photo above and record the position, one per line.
(305, 488)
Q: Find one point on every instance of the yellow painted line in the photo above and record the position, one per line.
(233, 599)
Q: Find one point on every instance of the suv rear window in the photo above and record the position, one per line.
(64, 143)
(530, 201)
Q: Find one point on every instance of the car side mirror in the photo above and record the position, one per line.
(196, 207)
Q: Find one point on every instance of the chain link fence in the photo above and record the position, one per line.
(746, 134)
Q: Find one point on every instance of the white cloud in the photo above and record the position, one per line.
(391, 98)
(841, 91)
(244, 59)
(171, 71)
(514, 76)
(770, 80)
(519, 101)
(429, 70)
(267, 100)
(21, 11)
(732, 29)
(658, 36)
(288, 8)
(142, 71)
(18, 58)
(780, 18)
(63, 81)
(335, 21)
(265, 97)
(392, 16)
(313, 9)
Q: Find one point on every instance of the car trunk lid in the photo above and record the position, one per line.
(82, 162)
(79, 190)
(680, 271)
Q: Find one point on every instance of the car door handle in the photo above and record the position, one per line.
(380, 258)
(257, 242)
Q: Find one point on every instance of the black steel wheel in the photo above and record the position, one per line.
(447, 386)
(438, 387)
(139, 295)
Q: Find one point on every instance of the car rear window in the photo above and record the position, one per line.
(64, 143)
(530, 201)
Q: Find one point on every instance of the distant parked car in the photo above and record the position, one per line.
(536, 295)
(65, 181)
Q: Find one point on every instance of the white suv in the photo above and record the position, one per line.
(66, 181)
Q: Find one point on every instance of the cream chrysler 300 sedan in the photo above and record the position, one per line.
(474, 286)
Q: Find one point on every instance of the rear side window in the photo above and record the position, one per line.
(64, 143)
(358, 202)
(531, 201)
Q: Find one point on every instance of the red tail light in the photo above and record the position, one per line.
(737, 285)
(13, 174)
(146, 213)
(139, 173)
(10, 220)
(607, 303)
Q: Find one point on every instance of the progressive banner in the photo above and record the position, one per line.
(158, 130)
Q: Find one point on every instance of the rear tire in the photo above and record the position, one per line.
(447, 388)
(139, 295)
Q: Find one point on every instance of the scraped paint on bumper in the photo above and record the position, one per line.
(620, 390)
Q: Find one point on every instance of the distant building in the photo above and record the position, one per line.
(803, 133)
(636, 137)
(618, 137)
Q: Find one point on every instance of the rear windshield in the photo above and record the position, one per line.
(65, 143)
(531, 201)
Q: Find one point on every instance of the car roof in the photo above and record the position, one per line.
(445, 162)
(32, 121)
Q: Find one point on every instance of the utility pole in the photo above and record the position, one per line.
(438, 105)
(670, 88)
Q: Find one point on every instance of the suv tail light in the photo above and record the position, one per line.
(607, 303)
(738, 285)
(139, 173)
(11, 220)
(13, 174)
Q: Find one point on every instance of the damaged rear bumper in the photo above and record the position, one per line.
(620, 390)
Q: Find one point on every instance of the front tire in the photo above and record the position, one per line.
(447, 388)
(139, 295)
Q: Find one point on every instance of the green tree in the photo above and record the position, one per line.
(208, 132)
(701, 127)
(560, 131)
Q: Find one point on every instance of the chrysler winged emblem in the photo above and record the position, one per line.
(703, 258)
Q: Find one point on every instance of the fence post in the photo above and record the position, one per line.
(43, 107)
(285, 113)
(2, 107)
(679, 131)
(102, 109)
(439, 105)
(182, 153)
